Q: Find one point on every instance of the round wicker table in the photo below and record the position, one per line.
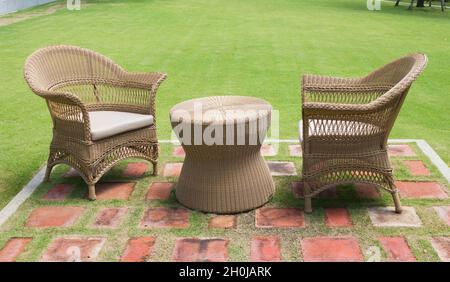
(223, 171)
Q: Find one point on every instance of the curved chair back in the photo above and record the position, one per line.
(54, 66)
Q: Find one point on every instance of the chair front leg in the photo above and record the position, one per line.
(307, 196)
(92, 196)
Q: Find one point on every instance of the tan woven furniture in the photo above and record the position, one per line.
(101, 113)
(229, 175)
(346, 124)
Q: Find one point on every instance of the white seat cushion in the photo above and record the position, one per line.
(109, 123)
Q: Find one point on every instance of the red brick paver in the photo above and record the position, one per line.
(178, 151)
(222, 221)
(59, 192)
(114, 190)
(13, 248)
(200, 250)
(337, 217)
(138, 249)
(400, 150)
(421, 190)
(172, 169)
(72, 249)
(281, 168)
(71, 173)
(444, 213)
(268, 150)
(367, 191)
(109, 217)
(54, 216)
(397, 249)
(332, 249)
(442, 247)
(279, 218)
(295, 150)
(135, 169)
(159, 190)
(165, 217)
(417, 168)
(297, 191)
(265, 248)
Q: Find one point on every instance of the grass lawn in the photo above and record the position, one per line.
(233, 47)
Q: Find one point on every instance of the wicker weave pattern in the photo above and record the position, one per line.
(75, 81)
(224, 178)
(346, 124)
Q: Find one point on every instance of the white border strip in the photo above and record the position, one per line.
(26, 192)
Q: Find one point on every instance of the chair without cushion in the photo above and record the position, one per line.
(346, 124)
(101, 113)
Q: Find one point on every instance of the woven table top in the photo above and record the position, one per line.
(220, 110)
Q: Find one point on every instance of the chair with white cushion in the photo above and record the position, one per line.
(101, 113)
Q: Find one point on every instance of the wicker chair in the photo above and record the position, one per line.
(346, 124)
(101, 113)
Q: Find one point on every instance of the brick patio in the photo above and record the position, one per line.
(137, 218)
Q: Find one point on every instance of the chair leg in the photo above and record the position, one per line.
(396, 3)
(398, 205)
(155, 169)
(308, 201)
(92, 195)
(48, 170)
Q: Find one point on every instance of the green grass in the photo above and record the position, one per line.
(239, 238)
(234, 47)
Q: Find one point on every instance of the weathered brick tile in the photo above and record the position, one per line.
(222, 221)
(417, 167)
(165, 217)
(160, 190)
(442, 247)
(59, 192)
(138, 249)
(172, 169)
(281, 168)
(295, 150)
(178, 151)
(54, 216)
(268, 150)
(367, 191)
(279, 218)
(73, 249)
(13, 248)
(200, 250)
(135, 169)
(421, 190)
(265, 249)
(331, 249)
(444, 213)
(109, 217)
(400, 150)
(114, 190)
(386, 217)
(397, 249)
(337, 217)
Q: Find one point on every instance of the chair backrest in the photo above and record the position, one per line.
(398, 75)
(54, 65)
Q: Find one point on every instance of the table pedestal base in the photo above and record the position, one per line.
(224, 179)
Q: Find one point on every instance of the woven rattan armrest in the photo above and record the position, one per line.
(150, 80)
